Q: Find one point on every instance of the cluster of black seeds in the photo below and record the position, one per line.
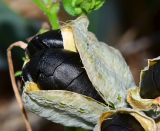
(54, 68)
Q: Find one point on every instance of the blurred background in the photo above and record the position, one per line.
(132, 26)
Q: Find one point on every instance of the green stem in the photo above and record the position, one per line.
(53, 15)
(51, 10)
(53, 18)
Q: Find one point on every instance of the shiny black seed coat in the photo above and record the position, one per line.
(49, 39)
(121, 122)
(54, 68)
(150, 85)
(59, 69)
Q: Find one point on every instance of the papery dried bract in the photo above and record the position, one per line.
(104, 65)
(137, 102)
(150, 106)
(64, 107)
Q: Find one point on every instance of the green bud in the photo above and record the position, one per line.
(78, 7)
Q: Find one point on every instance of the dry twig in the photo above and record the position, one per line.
(13, 80)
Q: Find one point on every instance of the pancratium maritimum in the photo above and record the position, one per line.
(111, 79)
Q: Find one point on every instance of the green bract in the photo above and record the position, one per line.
(78, 7)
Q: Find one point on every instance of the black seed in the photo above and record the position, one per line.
(83, 86)
(30, 71)
(59, 69)
(53, 58)
(121, 122)
(150, 84)
(49, 39)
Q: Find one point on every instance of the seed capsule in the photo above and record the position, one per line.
(54, 68)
